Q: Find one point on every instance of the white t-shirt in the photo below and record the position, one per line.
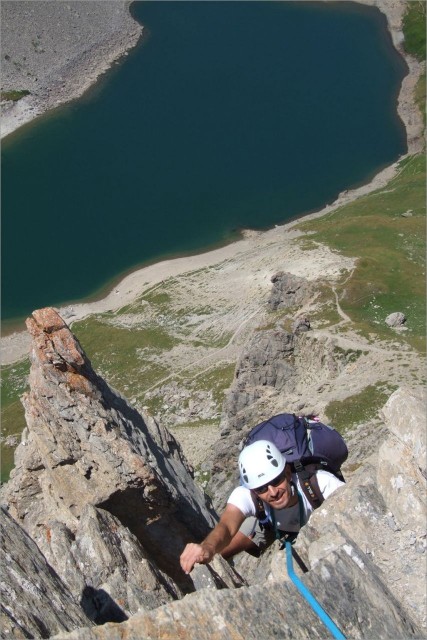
(286, 519)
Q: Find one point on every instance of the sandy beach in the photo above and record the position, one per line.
(15, 346)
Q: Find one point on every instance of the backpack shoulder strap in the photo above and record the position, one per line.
(309, 484)
(260, 512)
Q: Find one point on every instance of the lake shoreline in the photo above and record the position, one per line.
(14, 347)
(65, 71)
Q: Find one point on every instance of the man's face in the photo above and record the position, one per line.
(278, 493)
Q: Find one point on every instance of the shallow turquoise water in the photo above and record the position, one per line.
(227, 115)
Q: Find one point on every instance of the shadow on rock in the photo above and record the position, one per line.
(100, 607)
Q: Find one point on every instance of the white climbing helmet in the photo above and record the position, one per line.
(259, 463)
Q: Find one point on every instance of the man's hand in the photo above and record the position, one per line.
(218, 539)
(200, 553)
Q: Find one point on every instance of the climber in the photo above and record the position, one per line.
(246, 523)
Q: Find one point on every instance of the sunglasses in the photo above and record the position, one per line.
(273, 483)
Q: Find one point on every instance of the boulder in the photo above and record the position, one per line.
(396, 320)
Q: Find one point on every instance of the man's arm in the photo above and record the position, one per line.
(217, 539)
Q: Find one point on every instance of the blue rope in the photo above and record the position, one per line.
(330, 624)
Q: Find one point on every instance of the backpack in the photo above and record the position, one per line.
(308, 445)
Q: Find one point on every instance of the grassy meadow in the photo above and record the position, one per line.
(386, 231)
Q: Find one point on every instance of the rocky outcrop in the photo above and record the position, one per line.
(267, 362)
(301, 324)
(289, 290)
(105, 492)
(275, 368)
(35, 603)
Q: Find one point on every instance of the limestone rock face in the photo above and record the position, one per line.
(34, 600)
(345, 587)
(85, 445)
(402, 458)
(106, 567)
(381, 509)
(218, 574)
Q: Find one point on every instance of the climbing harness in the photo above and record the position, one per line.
(304, 591)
